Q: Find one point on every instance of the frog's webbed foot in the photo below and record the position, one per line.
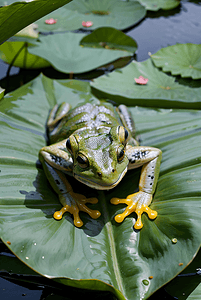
(138, 203)
(78, 202)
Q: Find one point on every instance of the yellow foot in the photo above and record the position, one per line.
(77, 204)
(138, 203)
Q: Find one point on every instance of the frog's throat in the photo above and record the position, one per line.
(93, 184)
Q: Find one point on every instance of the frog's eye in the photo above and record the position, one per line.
(120, 154)
(82, 161)
(72, 145)
(68, 145)
(123, 135)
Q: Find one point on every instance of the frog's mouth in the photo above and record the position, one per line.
(97, 185)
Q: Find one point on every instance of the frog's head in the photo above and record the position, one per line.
(99, 160)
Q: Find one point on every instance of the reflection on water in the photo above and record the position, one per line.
(182, 26)
(157, 30)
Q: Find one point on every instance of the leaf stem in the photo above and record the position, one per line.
(14, 58)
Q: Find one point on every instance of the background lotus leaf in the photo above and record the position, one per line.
(161, 90)
(180, 59)
(65, 20)
(109, 38)
(102, 255)
(16, 54)
(64, 52)
(27, 12)
(109, 13)
(159, 4)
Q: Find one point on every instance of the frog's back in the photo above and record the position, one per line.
(92, 118)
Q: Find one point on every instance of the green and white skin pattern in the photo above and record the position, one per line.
(95, 144)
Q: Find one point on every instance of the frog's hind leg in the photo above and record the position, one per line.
(56, 114)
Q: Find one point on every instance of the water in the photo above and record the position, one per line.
(182, 26)
(159, 29)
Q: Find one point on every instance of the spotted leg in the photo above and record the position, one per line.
(56, 162)
(149, 158)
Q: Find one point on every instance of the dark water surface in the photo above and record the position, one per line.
(157, 30)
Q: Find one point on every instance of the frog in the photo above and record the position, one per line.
(96, 144)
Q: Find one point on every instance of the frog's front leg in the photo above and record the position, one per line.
(149, 158)
(56, 162)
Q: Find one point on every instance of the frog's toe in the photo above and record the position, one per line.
(94, 214)
(152, 214)
(91, 200)
(129, 209)
(137, 203)
(58, 215)
(77, 206)
(74, 210)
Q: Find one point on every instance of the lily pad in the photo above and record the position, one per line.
(102, 255)
(180, 59)
(65, 53)
(109, 13)
(27, 12)
(159, 4)
(16, 53)
(109, 38)
(65, 20)
(161, 90)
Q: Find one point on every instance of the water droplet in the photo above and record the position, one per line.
(43, 257)
(145, 282)
(34, 244)
(27, 257)
(174, 240)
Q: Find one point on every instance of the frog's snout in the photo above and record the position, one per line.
(100, 173)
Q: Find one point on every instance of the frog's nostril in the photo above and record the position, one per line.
(113, 170)
(99, 174)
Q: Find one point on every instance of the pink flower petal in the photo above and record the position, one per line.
(50, 21)
(141, 80)
(87, 24)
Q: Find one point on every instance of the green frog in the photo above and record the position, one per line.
(95, 143)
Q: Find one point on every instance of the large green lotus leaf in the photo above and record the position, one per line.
(65, 20)
(160, 91)
(16, 53)
(18, 15)
(180, 59)
(102, 255)
(109, 38)
(65, 53)
(159, 4)
(109, 13)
